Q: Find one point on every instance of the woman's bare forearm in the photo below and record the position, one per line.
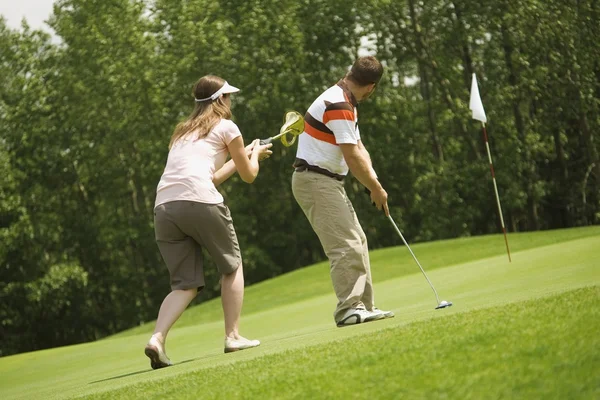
(226, 171)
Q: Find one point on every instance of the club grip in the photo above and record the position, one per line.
(265, 141)
(368, 192)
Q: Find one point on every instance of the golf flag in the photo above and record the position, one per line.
(475, 105)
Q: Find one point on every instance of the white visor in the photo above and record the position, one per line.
(226, 88)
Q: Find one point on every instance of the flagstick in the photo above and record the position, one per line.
(487, 146)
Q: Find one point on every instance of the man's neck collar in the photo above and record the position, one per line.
(344, 85)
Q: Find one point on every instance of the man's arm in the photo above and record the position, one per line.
(363, 149)
(359, 162)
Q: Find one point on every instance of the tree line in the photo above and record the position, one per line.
(86, 116)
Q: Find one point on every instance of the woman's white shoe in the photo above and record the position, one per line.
(156, 353)
(232, 344)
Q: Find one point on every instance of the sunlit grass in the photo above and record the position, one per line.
(421, 353)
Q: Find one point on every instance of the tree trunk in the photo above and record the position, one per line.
(584, 129)
(464, 47)
(566, 220)
(421, 52)
(532, 205)
(425, 84)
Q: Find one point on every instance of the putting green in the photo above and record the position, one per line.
(290, 328)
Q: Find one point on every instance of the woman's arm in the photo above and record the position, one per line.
(224, 173)
(229, 168)
(246, 167)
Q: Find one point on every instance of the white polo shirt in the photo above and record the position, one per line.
(331, 119)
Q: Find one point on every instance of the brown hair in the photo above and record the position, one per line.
(365, 70)
(206, 113)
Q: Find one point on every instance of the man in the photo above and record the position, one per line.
(330, 146)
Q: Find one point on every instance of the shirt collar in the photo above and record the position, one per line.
(347, 91)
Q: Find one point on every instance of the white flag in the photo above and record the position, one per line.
(475, 104)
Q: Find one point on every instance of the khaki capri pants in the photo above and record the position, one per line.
(183, 228)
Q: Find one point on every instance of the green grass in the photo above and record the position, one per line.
(499, 340)
(386, 264)
(525, 350)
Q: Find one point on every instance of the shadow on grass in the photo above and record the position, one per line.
(292, 337)
(147, 370)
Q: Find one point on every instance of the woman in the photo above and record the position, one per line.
(190, 215)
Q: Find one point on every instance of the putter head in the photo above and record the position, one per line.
(444, 304)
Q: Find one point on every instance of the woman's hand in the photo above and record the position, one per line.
(250, 147)
(262, 151)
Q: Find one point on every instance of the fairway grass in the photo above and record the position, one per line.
(388, 263)
(526, 329)
(543, 348)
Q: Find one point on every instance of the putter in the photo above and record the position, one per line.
(441, 304)
(293, 125)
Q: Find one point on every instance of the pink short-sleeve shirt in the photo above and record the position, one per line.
(192, 163)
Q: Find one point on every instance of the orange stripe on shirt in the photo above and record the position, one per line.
(337, 114)
(319, 135)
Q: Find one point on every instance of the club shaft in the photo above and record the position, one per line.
(269, 140)
(415, 258)
(277, 136)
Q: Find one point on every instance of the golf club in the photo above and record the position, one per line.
(293, 125)
(441, 304)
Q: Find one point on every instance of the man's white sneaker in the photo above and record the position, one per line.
(386, 314)
(242, 343)
(156, 353)
(358, 316)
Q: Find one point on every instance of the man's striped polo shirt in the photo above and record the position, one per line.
(332, 119)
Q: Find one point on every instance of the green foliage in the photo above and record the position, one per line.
(51, 311)
(85, 122)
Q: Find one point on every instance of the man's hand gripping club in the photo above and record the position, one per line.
(359, 163)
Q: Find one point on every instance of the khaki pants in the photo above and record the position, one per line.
(332, 217)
